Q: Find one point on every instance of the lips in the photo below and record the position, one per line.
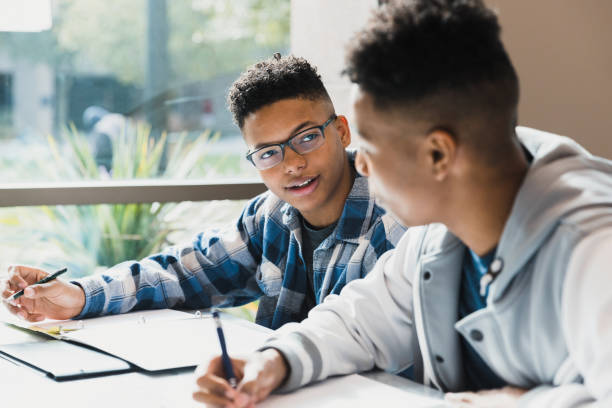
(301, 182)
(303, 186)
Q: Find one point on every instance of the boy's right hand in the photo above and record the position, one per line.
(258, 375)
(56, 299)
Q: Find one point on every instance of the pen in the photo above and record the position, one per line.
(227, 364)
(43, 280)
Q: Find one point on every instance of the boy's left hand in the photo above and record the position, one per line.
(506, 397)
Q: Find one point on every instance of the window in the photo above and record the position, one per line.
(110, 72)
(118, 90)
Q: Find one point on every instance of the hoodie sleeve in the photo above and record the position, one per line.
(587, 326)
(369, 324)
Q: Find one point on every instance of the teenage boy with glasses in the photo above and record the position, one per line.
(502, 296)
(316, 229)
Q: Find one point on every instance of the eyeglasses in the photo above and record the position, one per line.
(306, 141)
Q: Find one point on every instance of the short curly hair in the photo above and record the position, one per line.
(413, 49)
(272, 80)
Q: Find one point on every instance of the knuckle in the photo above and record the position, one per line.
(201, 381)
(31, 318)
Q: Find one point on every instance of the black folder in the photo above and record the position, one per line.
(62, 360)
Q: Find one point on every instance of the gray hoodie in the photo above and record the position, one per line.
(547, 326)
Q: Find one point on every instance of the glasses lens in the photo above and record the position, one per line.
(307, 141)
(267, 157)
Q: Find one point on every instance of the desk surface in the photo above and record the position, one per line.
(25, 387)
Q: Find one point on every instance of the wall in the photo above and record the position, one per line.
(561, 50)
(319, 31)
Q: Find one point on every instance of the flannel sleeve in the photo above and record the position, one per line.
(217, 269)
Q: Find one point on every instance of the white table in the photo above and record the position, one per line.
(22, 386)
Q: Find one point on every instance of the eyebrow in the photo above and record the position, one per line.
(294, 131)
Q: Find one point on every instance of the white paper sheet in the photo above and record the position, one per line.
(159, 345)
(51, 327)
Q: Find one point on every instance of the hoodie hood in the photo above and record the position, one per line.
(563, 178)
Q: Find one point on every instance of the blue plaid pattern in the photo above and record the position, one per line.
(258, 258)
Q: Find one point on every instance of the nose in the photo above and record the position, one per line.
(293, 162)
(361, 165)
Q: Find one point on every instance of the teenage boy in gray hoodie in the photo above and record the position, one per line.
(503, 297)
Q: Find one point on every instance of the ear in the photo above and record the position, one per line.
(343, 129)
(441, 151)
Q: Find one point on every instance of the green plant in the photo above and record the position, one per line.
(104, 234)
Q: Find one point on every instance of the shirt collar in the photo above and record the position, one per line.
(356, 215)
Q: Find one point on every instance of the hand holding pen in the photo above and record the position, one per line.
(35, 295)
(46, 279)
(257, 376)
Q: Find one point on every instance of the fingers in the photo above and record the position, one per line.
(30, 308)
(211, 399)
(16, 283)
(255, 390)
(5, 289)
(24, 313)
(17, 279)
(26, 274)
(241, 400)
(13, 309)
(43, 290)
(32, 317)
(460, 399)
(213, 388)
(216, 385)
(20, 277)
(214, 369)
(216, 391)
(494, 398)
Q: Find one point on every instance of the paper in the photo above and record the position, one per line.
(350, 391)
(154, 339)
(160, 345)
(53, 327)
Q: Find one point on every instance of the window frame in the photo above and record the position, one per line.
(127, 192)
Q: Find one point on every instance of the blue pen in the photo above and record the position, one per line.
(227, 364)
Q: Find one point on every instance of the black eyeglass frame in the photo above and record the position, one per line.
(288, 142)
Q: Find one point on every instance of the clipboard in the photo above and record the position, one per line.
(152, 340)
(158, 345)
(61, 360)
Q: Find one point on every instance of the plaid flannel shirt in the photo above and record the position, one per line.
(258, 258)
